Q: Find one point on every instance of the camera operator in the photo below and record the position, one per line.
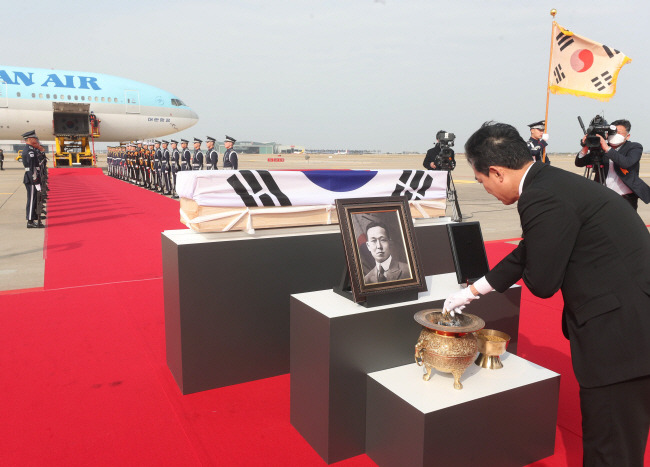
(538, 142)
(620, 159)
(441, 156)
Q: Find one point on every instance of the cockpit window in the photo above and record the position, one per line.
(177, 102)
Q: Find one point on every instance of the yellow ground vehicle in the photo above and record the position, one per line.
(73, 133)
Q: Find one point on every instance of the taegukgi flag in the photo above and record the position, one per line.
(582, 67)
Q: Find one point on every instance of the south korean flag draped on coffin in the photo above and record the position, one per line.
(257, 188)
(582, 67)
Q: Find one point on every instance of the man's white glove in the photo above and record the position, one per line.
(457, 301)
(545, 136)
(38, 187)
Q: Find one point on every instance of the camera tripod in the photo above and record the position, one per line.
(596, 170)
(452, 197)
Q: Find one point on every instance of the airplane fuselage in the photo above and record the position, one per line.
(128, 110)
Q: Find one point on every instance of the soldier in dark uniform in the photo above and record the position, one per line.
(150, 167)
(211, 156)
(186, 156)
(165, 169)
(230, 158)
(197, 160)
(2, 159)
(31, 179)
(176, 161)
(157, 166)
(538, 142)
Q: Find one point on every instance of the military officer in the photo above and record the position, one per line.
(31, 179)
(211, 156)
(230, 158)
(186, 156)
(157, 165)
(176, 160)
(538, 142)
(165, 169)
(197, 160)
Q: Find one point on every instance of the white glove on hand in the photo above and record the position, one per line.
(457, 301)
(38, 187)
(545, 136)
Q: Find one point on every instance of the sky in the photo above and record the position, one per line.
(380, 75)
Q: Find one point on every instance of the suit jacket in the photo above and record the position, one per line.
(397, 270)
(582, 238)
(626, 165)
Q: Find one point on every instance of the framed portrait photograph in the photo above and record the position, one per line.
(380, 248)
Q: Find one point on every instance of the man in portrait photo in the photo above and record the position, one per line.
(387, 266)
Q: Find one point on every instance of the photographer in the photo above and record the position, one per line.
(441, 156)
(619, 159)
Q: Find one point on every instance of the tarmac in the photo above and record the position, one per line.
(22, 263)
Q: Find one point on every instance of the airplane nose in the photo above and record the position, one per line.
(194, 116)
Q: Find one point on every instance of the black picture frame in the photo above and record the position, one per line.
(468, 251)
(385, 226)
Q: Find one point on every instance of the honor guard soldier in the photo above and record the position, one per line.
(157, 166)
(211, 156)
(31, 179)
(197, 160)
(186, 156)
(166, 169)
(230, 158)
(176, 161)
(150, 166)
(538, 142)
(139, 163)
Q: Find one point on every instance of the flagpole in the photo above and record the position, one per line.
(548, 81)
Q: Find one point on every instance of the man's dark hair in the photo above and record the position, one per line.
(496, 144)
(623, 123)
(378, 224)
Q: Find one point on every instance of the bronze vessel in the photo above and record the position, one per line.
(491, 345)
(446, 344)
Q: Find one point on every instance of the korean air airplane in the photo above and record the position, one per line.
(48, 100)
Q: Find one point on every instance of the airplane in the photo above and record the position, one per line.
(341, 152)
(51, 101)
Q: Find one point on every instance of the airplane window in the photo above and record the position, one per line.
(83, 98)
(69, 98)
(90, 98)
(47, 95)
(115, 99)
(96, 99)
(177, 102)
(109, 99)
(102, 99)
(54, 96)
(76, 98)
(40, 96)
(33, 95)
(18, 94)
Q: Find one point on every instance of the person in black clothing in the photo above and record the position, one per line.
(538, 141)
(432, 153)
(211, 156)
(31, 179)
(620, 164)
(197, 160)
(2, 159)
(186, 156)
(230, 158)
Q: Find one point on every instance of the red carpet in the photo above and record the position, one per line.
(84, 376)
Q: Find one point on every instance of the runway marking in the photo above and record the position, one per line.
(465, 181)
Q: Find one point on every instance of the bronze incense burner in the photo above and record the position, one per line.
(445, 343)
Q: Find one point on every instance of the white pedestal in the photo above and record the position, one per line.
(504, 417)
(335, 343)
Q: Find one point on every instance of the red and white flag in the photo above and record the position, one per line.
(582, 67)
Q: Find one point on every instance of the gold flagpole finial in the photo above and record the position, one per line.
(553, 12)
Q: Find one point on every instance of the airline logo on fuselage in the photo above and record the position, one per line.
(53, 80)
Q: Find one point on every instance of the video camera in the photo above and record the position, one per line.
(597, 127)
(445, 159)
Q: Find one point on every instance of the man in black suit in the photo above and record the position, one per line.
(387, 267)
(621, 160)
(581, 238)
